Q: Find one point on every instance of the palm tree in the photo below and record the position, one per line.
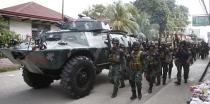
(122, 17)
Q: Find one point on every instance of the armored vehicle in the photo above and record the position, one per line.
(74, 56)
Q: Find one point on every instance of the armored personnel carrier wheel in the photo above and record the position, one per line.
(36, 81)
(78, 77)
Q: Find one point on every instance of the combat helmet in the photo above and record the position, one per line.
(136, 45)
(115, 41)
(122, 45)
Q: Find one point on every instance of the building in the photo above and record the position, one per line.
(30, 18)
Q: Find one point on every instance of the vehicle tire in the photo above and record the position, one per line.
(78, 77)
(36, 81)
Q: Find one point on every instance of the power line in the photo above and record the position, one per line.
(200, 2)
(204, 5)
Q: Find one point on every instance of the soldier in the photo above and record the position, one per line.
(152, 66)
(116, 59)
(182, 59)
(170, 60)
(159, 69)
(194, 52)
(136, 70)
(124, 67)
(164, 56)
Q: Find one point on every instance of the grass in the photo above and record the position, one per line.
(9, 68)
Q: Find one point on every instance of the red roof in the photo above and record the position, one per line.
(33, 10)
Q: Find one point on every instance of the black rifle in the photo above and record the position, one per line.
(40, 40)
(129, 51)
(108, 43)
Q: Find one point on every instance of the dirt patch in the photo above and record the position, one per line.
(7, 65)
(5, 69)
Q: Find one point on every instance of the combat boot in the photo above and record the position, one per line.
(185, 80)
(150, 90)
(178, 82)
(122, 84)
(158, 82)
(164, 81)
(169, 76)
(150, 87)
(139, 94)
(133, 95)
(114, 94)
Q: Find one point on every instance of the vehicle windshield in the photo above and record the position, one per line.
(72, 37)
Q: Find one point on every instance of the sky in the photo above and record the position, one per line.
(73, 7)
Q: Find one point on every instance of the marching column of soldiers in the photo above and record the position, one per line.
(152, 61)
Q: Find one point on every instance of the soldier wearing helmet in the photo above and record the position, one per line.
(116, 59)
(152, 66)
(164, 56)
(124, 66)
(182, 59)
(136, 70)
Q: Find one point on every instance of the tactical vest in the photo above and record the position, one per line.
(115, 58)
(135, 63)
(152, 60)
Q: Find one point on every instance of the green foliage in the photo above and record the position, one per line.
(5, 34)
(151, 17)
(96, 11)
(165, 13)
(121, 16)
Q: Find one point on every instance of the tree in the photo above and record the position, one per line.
(122, 17)
(96, 11)
(5, 34)
(165, 13)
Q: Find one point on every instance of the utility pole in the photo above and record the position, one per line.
(62, 9)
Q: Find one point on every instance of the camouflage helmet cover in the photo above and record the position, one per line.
(115, 41)
(136, 44)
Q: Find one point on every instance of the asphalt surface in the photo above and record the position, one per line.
(13, 90)
(207, 76)
(172, 94)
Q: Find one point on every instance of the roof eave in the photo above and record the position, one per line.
(29, 16)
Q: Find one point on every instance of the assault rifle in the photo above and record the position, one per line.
(40, 40)
(108, 43)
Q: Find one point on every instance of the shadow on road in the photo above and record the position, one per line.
(52, 95)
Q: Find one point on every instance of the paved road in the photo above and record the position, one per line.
(171, 94)
(13, 90)
(207, 76)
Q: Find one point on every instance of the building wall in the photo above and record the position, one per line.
(54, 28)
(21, 27)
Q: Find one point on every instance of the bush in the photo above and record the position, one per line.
(5, 34)
(2, 55)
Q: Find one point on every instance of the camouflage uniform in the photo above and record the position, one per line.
(116, 59)
(159, 69)
(182, 59)
(124, 67)
(152, 66)
(164, 56)
(170, 65)
(136, 70)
